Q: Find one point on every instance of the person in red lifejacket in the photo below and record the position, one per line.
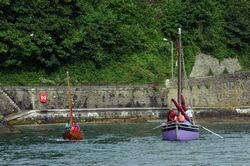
(171, 115)
(75, 127)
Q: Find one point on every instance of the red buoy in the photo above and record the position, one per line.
(43, 97)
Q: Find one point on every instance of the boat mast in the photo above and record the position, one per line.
(179, 68)
(70, 104)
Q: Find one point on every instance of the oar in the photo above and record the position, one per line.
(156, 127)
(211, 131)
(150, 129)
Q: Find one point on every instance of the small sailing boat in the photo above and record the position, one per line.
(72, 132)
(179, 127)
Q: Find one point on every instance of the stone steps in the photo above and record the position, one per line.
(10, 101)
(19, 115)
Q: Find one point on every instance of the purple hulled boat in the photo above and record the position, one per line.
(180, 126)
(176, 131)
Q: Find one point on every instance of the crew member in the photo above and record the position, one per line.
(189, 113)
(67, 126)
(75, 127)
(171, 115)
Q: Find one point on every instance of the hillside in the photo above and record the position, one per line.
(110, 41)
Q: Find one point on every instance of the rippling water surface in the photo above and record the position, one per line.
(125, 145)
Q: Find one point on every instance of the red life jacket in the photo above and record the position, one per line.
(172, 116)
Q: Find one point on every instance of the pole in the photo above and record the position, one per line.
(179, 68)
(179, 71)
(70, 104)
(172, 54)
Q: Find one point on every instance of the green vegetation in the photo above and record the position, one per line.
(191, 88)
(225, 71)
(114, 41)
(210, 72)
(207, 85)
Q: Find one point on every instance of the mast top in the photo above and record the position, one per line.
(179, 68)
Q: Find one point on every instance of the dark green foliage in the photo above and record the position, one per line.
(237, 24)
(115, 41)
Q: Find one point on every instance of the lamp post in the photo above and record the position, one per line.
(172, 52)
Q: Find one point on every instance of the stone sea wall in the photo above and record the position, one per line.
(229, 91)
(28, 98)
(90, 97)
(93, 115)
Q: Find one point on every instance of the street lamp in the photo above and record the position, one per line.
(172, 52)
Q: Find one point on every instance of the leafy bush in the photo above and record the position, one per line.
(115, 41)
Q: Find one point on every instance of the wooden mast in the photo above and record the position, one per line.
(70, 104)
(179, 70)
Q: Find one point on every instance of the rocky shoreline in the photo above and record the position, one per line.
(5, 127)
(202, 115)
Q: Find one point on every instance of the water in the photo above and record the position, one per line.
(125, 145)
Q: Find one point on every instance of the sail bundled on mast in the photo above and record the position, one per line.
(72, 133)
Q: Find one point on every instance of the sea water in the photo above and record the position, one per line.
(125, 145)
